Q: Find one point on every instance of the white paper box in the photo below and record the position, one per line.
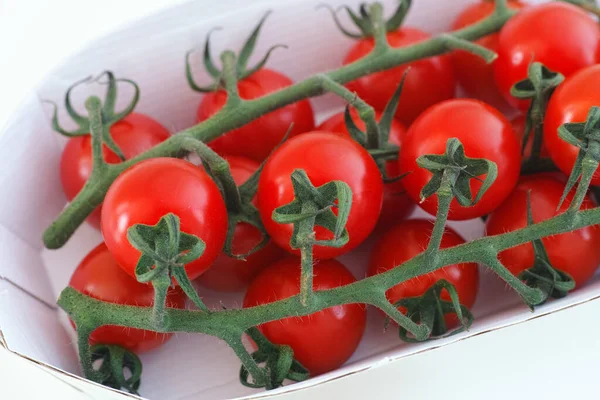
(151, 51)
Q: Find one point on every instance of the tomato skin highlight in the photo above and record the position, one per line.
(322, 341)
(571, 102)
(429, 81)
(153, 188)
(396, 204)
(472, 72)
(324, 157)
(559, 35)
(576, 253)
(467, 120)
(134, 134)
(258, 138)
(99, 276)
(410, 238)
(228, 274)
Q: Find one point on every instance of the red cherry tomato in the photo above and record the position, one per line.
(256, 139)
(473, 73)
(410, 238)
(322, 341)
(561, 36)
(518, 124)
(324, 157)
(99, 276)
(396, 204)
(153, 188)
(429, 81)
(576, 253)
(570, 103)
(229, 274)
(134, 134)
(484, 133)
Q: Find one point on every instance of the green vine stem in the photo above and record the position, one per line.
(587, 5)
(229, 118)
(537, 87)
(89, 313)
(313, 206)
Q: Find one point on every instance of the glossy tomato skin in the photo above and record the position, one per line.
(484, 133)
(571, 102)
(324, 157)
(228, 274)
(134, 134)
(153, 188)
(429, 81)
(99, 276)
(410, 238)
(472, 72)
(559, 35)
(256, 139)
(576, 253)
(322, 341)
(396, 204)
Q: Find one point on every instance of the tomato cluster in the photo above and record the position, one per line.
(428, 115)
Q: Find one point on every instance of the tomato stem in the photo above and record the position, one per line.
(455, 43)
(115, 359)
(378, 27)
(230, 79)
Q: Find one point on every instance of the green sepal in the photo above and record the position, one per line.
(115, 360)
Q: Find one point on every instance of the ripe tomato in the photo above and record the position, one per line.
(153, 188)
(256, 139)
(322, 341)
(429, 81)
(561, 36)
(484, 133)
(134, 134)
(347, 161)
(99, 276)
(410, 238)
(570, 103)
(576, 253)
(518, 124)
(472, 72)
(396, 204)
(229, 274)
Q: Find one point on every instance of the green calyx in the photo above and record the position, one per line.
(242, 70)
(552, 282)
(586, 137)
(429, 310)
(115, 361)
(165, 252)
(369, 19)
(109, 113)
(279, 364)
(537, 87)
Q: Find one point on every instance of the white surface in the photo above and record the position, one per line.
(36, 35)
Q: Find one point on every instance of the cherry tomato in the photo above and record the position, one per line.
(396, 204)
(570, 103)
(229, 274)
(561, 36)
(147, 191)
(256, 139)
(576, 253)
(473, 73)
(484, 133)
(518, 124)
(410, 238)
(429, 81)
(324, 157)
(322, 341)
(99, 276)
(134, 134)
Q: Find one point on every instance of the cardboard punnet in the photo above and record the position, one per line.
(151, 51)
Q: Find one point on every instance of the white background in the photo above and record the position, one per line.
(34, 35)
